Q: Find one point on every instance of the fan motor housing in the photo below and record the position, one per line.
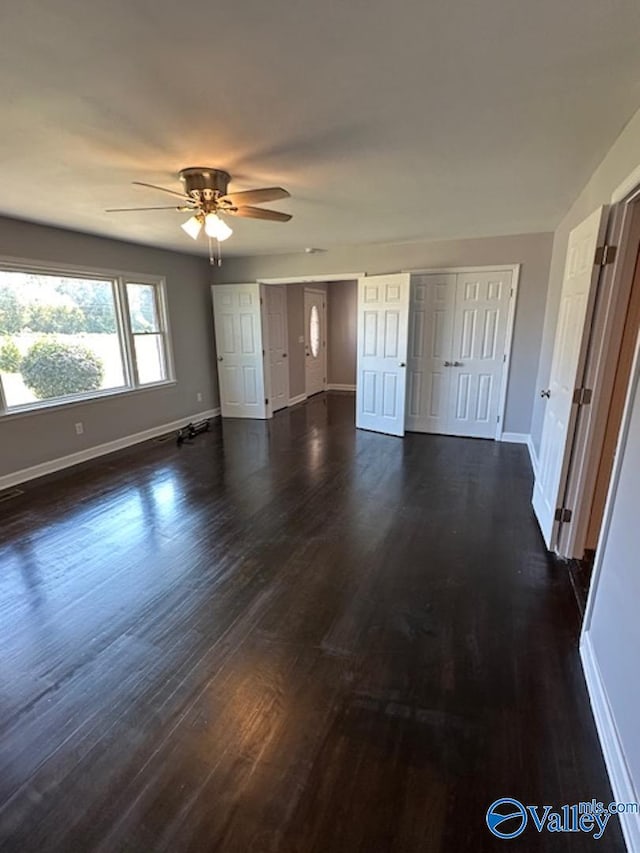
(203, 182)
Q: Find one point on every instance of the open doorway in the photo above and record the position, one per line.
(310, 328)
(274, 350)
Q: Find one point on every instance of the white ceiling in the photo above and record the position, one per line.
(387, 121)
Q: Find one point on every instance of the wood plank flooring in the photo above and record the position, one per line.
(287, 636)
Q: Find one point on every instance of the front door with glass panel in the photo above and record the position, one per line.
(315, 343)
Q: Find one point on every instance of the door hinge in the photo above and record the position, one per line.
(605, 255)
(263, 353)
(511, 294)
(266, 402)
(498, 419)
(563, 515)
(504, 357)
(582, 396)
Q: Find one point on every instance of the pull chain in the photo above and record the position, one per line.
(215, 256)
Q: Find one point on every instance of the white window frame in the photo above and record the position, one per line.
(119, 281)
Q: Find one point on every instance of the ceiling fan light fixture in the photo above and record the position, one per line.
(192, 227)
(216, 227)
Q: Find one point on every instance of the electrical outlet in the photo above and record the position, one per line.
(79, 428)
(199, 397)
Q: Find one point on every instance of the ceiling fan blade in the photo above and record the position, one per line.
(260, 213)
(162, 189)
(179, 208)
(240, 199)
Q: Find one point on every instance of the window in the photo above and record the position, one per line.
(314, 331)
(68, 337)
(148, 334)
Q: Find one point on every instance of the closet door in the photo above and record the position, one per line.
(478, 352)
(431, 315)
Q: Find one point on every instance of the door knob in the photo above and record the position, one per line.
(546, 393)
(220, 358)
(284, 355)
(448, 364)
(402, 364)
(458, 364)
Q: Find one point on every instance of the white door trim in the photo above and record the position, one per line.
(311, 279)
(629, 189)
(508, 347)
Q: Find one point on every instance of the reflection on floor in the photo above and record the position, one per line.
(287, 636)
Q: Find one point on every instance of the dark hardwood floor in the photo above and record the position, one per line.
(288, 636)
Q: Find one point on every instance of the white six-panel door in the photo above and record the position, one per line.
(383, 317)
(238, 327)
(478, 352)
(569, 353)
(458, 351)
(430, 330)
(274, 297)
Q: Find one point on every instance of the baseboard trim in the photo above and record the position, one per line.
(293, 401)
(619, 776)
(333, 386)
(515, 437)
(50, 467)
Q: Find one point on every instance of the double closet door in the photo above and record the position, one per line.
(456, 354)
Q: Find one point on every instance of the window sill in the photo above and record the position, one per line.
(57, 405)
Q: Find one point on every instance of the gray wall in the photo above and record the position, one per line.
(614, 630)
(342, 303)
(533, 251)
(618, 164)
(30, 439)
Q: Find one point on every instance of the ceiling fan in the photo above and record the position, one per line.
(205, 196)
